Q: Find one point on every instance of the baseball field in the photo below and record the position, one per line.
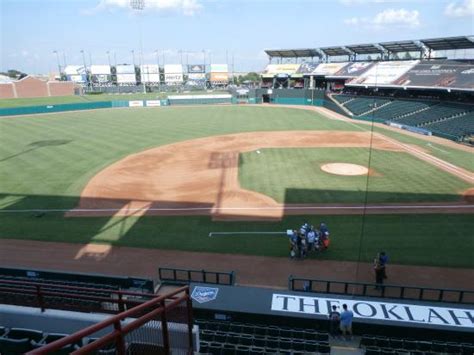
(168, 177)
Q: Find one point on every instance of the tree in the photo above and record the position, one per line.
(407, 55)
(14, 74)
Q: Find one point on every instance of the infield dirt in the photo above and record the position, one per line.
(200, 177)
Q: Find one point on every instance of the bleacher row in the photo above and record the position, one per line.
(239, 338)
(454, 119)
(62, 294)
(386, 345)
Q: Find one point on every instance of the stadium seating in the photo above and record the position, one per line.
(241, 338)
(363, 105)
(387, 345)
(459, 127)
(453, 119)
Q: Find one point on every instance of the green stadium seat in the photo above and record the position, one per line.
(242, 350)
(21, 333)
(228, 349)
(324, 349)
(467, 349)
(372, 351)
(246, 339)
(438, 346)
(13, 346)
(298, 345)
(367, 341)
(260, 330)
(453, 348)
(256, 350)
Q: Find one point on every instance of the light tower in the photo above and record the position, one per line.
(139, 5)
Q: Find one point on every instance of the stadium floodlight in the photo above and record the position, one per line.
(137, 4)
(108, 57)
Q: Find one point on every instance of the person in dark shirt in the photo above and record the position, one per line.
(383, 259)
(334, 319)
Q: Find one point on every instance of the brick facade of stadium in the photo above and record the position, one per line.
(34, 87)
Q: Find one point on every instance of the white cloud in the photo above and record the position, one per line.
(388, 18)
(362, 2)
(460, 9)
(186, 7)
(400, 17)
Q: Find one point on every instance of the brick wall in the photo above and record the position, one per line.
(7, 91)
(31, 87)
(61, 88)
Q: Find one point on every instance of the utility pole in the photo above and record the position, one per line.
(59, 65)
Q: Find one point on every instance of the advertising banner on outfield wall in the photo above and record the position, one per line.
(150, 73)
(100, 69)
(197, 76)
(219, 77)
(125, 69)
(174, 78)
(135, 103)
(440, 74)
(126, 78)
(219, 68)
(173, 68)
(153, 103)
(196, 68)
(74, 70)
(77, 78)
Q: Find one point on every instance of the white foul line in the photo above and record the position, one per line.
(360, 207)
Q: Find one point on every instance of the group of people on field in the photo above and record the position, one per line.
(307, 239)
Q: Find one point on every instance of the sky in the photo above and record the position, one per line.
(217, 30)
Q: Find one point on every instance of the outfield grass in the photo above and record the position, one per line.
(55, 155)
(56, 100)
(46, 160)
(293, 175)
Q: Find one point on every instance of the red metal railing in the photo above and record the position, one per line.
(143, 313)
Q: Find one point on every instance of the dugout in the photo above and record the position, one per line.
(377, 316)
(291, 96)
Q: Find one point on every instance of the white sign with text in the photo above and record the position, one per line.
(385, 311)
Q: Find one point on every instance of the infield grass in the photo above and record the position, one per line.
(294, 175)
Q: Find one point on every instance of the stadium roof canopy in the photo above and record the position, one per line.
(364, 48)
(335, 51)
(402, 46)
(448, 43)
(293, 53)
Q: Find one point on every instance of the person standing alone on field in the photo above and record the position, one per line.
(379, 272)
(383, 259)
(346, 322)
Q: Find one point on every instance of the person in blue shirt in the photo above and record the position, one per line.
(346, 322)
(383, 259)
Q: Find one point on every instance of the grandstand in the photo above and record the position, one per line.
(220, 320)
(425, 94)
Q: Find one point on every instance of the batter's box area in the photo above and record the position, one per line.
(220, 160)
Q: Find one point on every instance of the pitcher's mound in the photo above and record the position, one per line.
(344, 169)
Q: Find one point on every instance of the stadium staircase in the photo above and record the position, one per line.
(376, 108)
